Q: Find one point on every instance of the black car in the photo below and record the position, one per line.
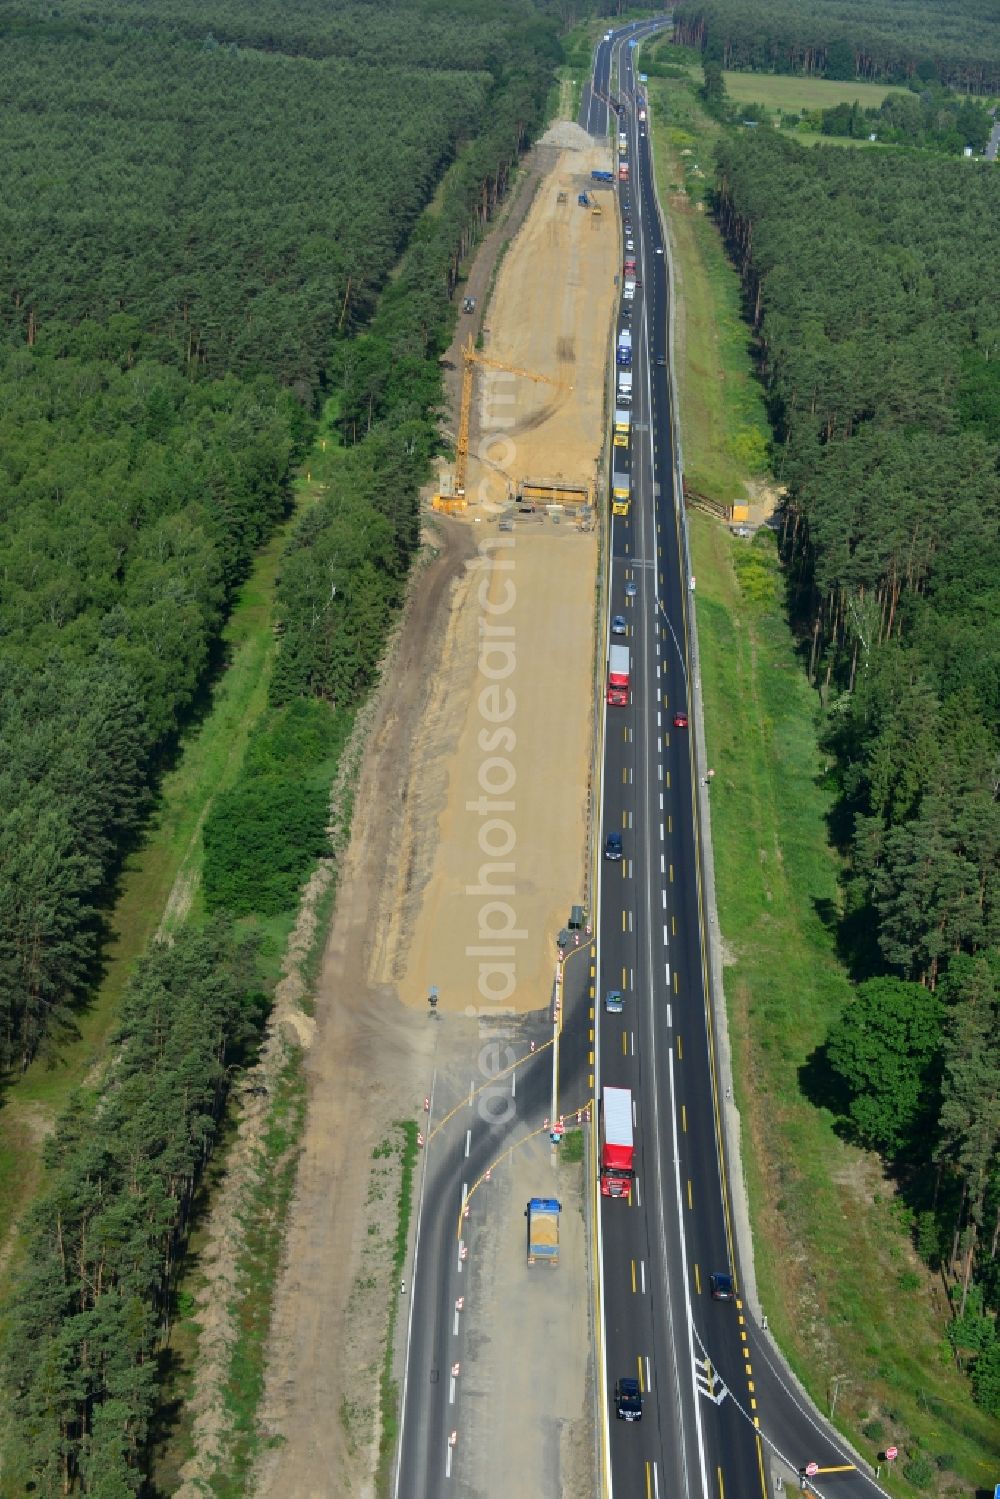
(613, 846)
(722, 1287)
(628, 1400)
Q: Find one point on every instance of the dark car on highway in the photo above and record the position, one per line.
(722, 1287)
(628, 1400)
(613, 846)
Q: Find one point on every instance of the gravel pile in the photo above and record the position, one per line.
(568, 136)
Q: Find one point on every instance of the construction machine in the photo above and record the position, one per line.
(471, 357)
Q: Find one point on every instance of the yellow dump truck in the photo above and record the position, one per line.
(621, 492)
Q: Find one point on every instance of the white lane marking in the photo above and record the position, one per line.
(661, 801)
(642, 1275)
(468, 1142)
(513, 1085)
(663, 864)
(413, 1289)
(667, 967)
(670, 1008)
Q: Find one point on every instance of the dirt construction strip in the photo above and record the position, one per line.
(488, 700)
(366, 1066)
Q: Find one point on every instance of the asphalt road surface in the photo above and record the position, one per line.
(721, 1415)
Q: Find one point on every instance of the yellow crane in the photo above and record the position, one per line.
(471, 356)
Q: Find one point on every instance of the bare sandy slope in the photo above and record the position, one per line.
(456, 723)
(508, 847)
(493, 851)
(550, 316)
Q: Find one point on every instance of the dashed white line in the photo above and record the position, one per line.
(468, 1142)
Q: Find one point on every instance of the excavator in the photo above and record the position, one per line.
(457, 500)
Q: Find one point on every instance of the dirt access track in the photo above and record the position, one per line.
(454, 724)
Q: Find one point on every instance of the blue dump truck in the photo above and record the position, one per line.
(624, 351)
(542, 1214)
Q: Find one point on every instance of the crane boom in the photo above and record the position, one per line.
(472, 357)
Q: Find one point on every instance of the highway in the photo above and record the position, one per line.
(721, 1415)
(658, 1253)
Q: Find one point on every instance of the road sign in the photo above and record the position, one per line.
(891, 1453)
(811, 1469)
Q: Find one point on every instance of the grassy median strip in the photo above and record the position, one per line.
(388, 1387)
(849, 1302)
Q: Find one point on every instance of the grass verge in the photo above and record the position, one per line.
(158, 880)
(263, 1230)
(389, 1392)
(846, 1297)
(724, 425)
(571, 1149)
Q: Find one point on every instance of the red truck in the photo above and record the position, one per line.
(623, 172)
(617, 1148)
(618, 676)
